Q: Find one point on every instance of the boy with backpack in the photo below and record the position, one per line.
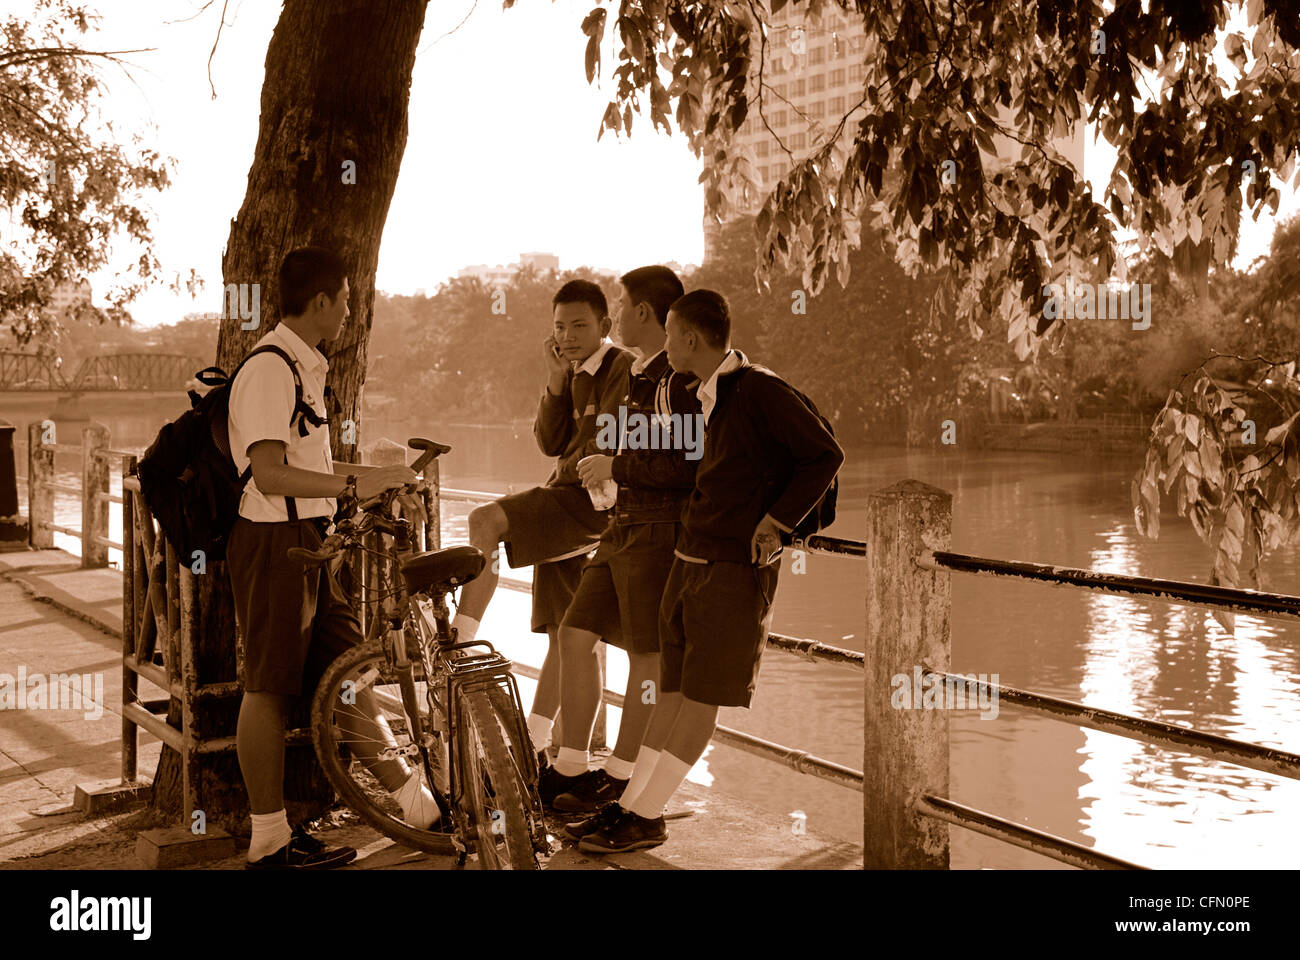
(295, 621)
(769, 460)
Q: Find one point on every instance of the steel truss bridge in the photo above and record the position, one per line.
(147, 372)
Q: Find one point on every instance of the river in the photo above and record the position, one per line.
(1151, 659)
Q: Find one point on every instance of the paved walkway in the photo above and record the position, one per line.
(56, 618)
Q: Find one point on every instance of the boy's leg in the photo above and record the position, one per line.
(638, 704)
(579, 695)
(259, 744)
(713, 628)
(487, 528)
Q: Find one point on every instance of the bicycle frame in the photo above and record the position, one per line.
(399, 615)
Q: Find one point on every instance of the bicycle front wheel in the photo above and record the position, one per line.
(494, 794)
(357, 712)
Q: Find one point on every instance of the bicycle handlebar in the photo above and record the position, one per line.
(327, 550)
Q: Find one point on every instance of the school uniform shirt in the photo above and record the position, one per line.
(261, 404)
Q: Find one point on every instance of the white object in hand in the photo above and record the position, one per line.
(604, 492)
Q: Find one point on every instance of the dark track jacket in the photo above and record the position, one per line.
(653, 484)
(765, 452)
(565, 427)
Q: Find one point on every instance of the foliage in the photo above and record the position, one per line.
(941, 80)
(71, 189)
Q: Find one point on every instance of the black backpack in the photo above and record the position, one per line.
(822, 515)
(187, 475)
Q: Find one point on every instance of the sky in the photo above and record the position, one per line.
(501, 156)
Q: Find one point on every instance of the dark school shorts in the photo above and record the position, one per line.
(623, 584)
(548, 522)
(713, 625)
(295, 620)
(553, 587)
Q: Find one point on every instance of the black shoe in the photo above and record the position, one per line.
(607, 815)
(628, 832)
(550, 782)
(590, 791)
(304, 852)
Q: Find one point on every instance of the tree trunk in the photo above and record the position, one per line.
(331, 136)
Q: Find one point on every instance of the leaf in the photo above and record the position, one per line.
(592, 57)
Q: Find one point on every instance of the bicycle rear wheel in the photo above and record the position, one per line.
(494, 793)
(336, 722)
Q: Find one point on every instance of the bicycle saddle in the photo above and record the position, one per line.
(445, 568)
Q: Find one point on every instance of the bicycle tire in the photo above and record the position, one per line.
(482, 727)
(336, 765)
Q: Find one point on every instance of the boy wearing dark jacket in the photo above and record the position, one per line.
(651, 454)
(553, 527)
(767, 461)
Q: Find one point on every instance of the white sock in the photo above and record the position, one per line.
(668, 775)
(570, 762)
(466, 627)
(270, 833)
(645, 765)
(619, 769)
(539, 730)
(418, 806)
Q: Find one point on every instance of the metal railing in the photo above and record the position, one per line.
(798, 760)
(97, 460)
(908, 627)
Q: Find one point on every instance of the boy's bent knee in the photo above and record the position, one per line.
(488, 522)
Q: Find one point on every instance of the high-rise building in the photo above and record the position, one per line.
(813, 77)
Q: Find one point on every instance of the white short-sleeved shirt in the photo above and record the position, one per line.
(261, 403)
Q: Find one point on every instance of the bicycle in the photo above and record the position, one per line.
(455, 715)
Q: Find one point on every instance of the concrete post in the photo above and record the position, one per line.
(40, 498)
(94, 493)
(906, 747)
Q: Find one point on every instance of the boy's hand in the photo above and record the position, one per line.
(595, 468)
(766, 542)
(557, 368)
(376, 481)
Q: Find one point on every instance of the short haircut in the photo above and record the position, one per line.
(657, 286)
(706, 312)
(305, 272)
(582, 291)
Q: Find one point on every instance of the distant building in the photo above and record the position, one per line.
(500, 276)
(542, 262)
(67, 295)
(812, 76)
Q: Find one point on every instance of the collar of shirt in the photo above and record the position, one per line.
(592, 363)
(708, 393)
(640, 363)
(311, 359)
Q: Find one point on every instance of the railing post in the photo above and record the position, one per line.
(130, 681)
(906, 747)
(599, 730)
(94, 494)
(40, 498)
(433, 506)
